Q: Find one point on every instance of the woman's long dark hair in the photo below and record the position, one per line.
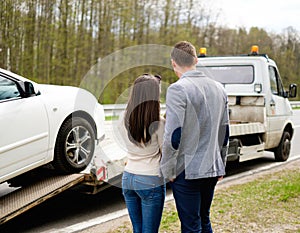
(143, 109)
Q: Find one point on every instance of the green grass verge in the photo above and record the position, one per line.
(111, 118)
(268, 204)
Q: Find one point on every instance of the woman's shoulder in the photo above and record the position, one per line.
(161, 125)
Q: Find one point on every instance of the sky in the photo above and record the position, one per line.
(272, 15)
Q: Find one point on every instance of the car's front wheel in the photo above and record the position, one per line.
(74, 146)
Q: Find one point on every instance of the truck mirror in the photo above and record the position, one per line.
(292, 90)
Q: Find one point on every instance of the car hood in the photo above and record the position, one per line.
(48, 89)
(62, 91)
(67, 97)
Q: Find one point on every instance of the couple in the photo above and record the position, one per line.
(188, 149)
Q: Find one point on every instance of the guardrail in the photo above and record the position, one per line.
(115, 109)
(295, 104)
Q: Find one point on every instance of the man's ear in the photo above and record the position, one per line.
(173, 63)
(195, 60)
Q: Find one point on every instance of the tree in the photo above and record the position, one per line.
(59, 41)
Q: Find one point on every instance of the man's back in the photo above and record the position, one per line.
(202, 114)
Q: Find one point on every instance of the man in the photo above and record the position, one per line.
(195, 140)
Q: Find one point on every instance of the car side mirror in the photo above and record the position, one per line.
(292, 90)
(27, 89)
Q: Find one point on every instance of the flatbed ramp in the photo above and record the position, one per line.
(37, 192)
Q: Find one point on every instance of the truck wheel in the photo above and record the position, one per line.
(282, 152)
(74, 146)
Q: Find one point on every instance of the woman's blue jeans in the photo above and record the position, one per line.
(193, 199)
(144, 197)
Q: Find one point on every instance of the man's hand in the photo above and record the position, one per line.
(220, 178)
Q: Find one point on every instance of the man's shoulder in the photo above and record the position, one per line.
(221, 87)
(176, 85)
(176, 91)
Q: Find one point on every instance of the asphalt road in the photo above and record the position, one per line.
(73, 206)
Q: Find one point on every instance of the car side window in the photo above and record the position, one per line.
(8, 89)
(275, 82)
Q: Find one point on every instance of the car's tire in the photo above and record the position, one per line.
(282, 152)
(75, 145)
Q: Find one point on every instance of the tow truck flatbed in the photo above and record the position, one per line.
(37, 192)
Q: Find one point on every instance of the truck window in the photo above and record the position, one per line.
(230, 74)
(275, 82)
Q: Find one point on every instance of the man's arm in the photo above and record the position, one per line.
(225, 124)
(175, 112)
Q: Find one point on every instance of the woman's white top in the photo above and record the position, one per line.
(144, 159)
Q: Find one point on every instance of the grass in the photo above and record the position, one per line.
(111, 118)
(268, 204)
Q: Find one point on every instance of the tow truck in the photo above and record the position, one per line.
(259, 108)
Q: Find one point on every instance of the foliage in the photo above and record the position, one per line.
(57, 42)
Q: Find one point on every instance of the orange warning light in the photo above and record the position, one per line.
(202, 52)
(254, 50)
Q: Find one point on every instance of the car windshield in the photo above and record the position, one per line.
(229, 74)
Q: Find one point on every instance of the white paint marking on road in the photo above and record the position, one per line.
(120, 213)
(90, 223)
(258, 170)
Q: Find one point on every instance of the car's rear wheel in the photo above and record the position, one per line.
(74, 146)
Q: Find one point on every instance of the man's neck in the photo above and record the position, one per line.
(183, 70)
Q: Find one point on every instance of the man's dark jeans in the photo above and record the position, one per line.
(193, 200)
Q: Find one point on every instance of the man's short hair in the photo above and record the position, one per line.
(184, 54)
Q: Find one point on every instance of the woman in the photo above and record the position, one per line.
(143, 186)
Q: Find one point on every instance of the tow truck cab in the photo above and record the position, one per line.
(259, 109)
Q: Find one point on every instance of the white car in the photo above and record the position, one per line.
(43, 124)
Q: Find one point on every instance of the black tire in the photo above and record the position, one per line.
(74, 147)
(282, 152)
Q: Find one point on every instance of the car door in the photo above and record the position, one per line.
(24, 130)
(278, 108)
